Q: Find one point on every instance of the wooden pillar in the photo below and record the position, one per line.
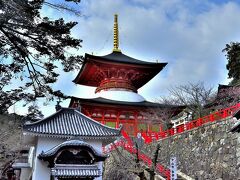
(88, 113)
(161, 127)
(117, 122)
(148, 127)
(103, 117)
(135, 123)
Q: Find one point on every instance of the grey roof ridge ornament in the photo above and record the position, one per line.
(75, 138)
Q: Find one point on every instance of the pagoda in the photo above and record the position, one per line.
(117, 78)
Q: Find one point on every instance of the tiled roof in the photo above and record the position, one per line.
(119, 57)
(71, 171)
(68, 122)
(145, 104)
(70, 143)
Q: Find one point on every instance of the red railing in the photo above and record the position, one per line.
(219, 115)
(148, 137)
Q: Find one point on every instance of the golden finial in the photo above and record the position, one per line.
(115, 35)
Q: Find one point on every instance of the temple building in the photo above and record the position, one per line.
(227, 95)
(65, 145)
(117, 78)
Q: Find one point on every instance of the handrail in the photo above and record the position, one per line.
(215, 116)
(148, 137)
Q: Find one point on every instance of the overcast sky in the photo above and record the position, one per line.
(188, 34)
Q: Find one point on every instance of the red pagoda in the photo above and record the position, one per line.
(117, 78)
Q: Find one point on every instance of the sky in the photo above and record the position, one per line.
(187, 34)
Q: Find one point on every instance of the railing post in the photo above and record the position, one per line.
(224, 113)
(199, 122)
(211, 117)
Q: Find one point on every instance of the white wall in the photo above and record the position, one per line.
(40, 169)
(25, 173)
(97, 144)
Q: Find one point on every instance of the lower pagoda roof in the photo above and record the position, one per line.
(69, 122)
(75, 171)
(104, 101)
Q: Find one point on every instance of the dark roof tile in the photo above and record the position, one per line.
(72, 171)
(68, 122)
(70, 143)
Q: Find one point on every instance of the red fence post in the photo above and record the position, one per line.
(211, 117)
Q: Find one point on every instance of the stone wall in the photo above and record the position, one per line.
(208, 152)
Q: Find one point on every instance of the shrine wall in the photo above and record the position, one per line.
(207, 152)
(41, 170)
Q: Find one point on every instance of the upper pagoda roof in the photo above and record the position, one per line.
(88, 75)
(68, 122)
(118, 57)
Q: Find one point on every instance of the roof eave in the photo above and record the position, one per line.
(69, 136)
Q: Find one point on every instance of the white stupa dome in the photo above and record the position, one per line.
(121, 95)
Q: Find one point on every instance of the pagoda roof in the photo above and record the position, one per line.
(69, 122)
(118, 57)
(105, 101)
(223, 86)
(92, 64)
(74, 171)
(70, 143)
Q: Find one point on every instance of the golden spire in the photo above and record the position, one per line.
(115, 34)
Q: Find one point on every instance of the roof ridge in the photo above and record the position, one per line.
(71, 122)
(135, 60)
(149, 103)
(41, 120)
(56, 148)
(50, 116)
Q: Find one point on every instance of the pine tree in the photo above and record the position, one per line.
(31, 49)
(233, 66)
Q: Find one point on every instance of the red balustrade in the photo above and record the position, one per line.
(219, 115)
(148, 137)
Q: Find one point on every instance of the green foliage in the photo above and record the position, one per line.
(31, 49)
(233, 56)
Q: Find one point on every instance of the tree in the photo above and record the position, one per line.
(194, 96)
(233, 66)
(31, 49)
(122, 161)
(157, 116)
